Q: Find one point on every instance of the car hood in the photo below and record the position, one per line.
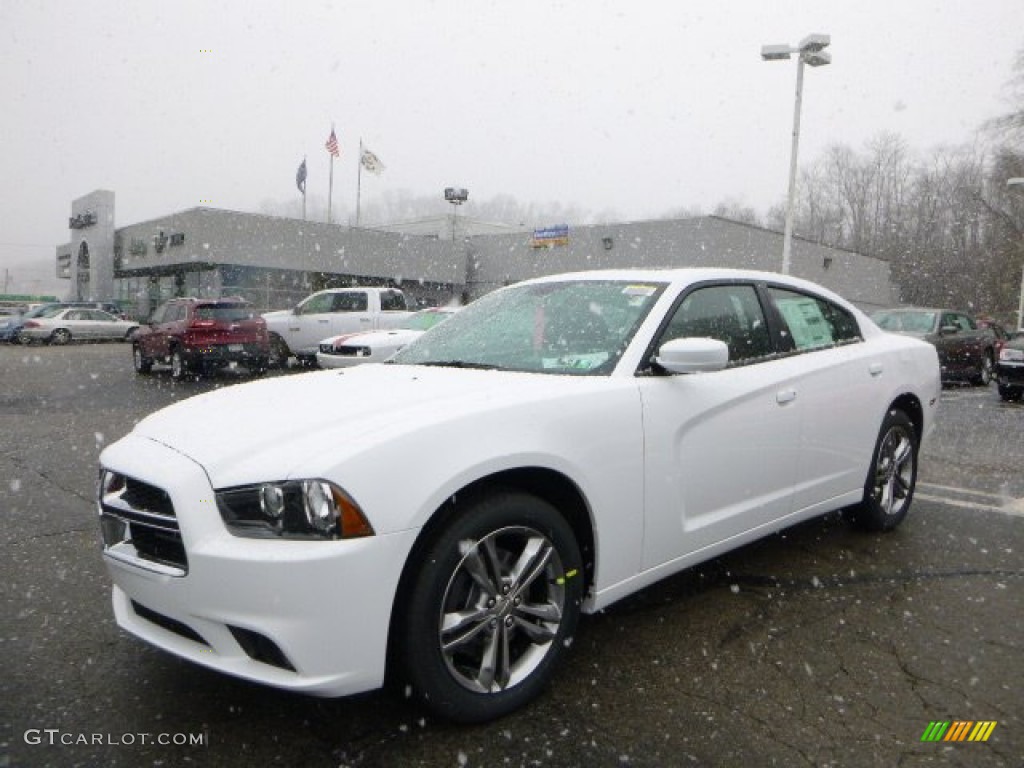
(390, 338)
(306, 424)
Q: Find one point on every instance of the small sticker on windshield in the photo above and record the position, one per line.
(639, 290)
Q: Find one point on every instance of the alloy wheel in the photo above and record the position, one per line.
(894, 471)
(501, 609)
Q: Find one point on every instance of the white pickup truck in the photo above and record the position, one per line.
(297, 331)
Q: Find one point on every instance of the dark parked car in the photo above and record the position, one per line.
(966, 350)
(197, 335)
(1010, 369)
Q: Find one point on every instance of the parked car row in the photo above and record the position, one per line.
(65, 328)
(61, 324)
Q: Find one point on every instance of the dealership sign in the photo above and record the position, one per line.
(548, 237)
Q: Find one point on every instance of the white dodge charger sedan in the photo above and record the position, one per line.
(560, 443)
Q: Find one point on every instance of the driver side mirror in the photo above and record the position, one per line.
(693, 355)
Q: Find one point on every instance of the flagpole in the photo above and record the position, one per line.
(330, 188)
(359, 179)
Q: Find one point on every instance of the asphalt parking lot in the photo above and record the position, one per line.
(820, 646)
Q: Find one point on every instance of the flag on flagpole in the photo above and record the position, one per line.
(371, 162)
(332, 145)
(300, 177)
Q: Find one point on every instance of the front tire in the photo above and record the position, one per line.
(143, 365)
(985, 371)
(179, 368)
(889, 488)
(493, 605)
(279, 352)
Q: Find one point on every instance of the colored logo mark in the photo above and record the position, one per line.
(959, 730)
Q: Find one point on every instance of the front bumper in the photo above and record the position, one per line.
(309, 616)
(1010, 374)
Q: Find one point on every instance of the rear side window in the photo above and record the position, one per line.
(812, 322)
(391, 301)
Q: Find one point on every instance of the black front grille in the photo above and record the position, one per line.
(142, 515)
(147, 498)
(158, 545)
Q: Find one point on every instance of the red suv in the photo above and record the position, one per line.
(196, 335)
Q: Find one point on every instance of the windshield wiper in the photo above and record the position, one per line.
(461, 364)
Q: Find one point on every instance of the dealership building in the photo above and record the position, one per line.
(274, 262)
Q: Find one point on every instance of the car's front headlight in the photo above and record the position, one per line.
(292, 509)
(1011, 355)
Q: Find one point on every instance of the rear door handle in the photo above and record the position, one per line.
(875, 369)
(785, 396)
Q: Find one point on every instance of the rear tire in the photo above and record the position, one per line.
(889, 488)
(492, 606)
(279, 352)
(60, 336)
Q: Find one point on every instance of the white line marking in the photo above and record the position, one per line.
(1014, 507)
(965, 491)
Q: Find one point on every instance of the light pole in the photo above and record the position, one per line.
(456, 196)
(1018, 181)
(810, 51)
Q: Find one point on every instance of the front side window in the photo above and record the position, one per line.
(316, 304)
(729, 313)
(578, 327)
(812, 322)
(158, 314)
(958, 321)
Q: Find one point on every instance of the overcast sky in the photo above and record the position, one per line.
(633, 107)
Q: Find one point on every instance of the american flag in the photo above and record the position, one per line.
(332, 145)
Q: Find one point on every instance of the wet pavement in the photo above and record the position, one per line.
(818, 646)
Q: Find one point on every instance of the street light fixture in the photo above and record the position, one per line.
(811, 51)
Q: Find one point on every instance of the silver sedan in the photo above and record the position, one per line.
(62, 324)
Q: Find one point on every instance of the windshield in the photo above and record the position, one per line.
(576, 327)
(909, 322)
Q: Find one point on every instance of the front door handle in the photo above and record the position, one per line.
(875, 369)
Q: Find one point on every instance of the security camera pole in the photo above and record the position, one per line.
(811, 51)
